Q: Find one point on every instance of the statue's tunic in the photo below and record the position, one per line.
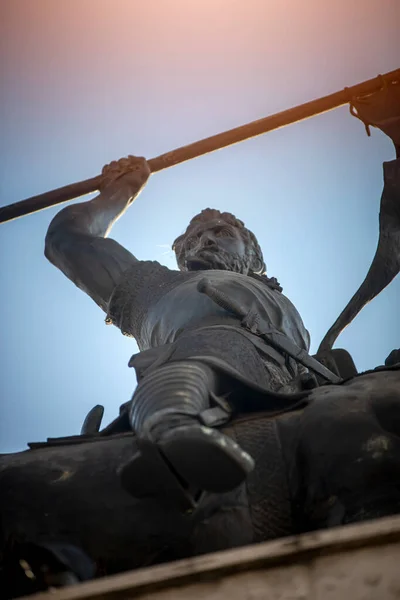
(158, 306)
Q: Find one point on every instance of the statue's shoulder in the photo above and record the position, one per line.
(141, 285)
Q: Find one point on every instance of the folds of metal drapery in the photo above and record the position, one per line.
(382, 110)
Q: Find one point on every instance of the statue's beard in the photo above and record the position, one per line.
(204, 260)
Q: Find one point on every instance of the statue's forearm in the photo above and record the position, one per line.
(123, 181)
(76, 244)
(94, 218)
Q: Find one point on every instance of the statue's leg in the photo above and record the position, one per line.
(169, 403)
(166, 411)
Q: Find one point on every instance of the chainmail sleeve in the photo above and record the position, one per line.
(141, 286)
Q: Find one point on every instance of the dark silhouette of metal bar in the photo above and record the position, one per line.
(201, 147)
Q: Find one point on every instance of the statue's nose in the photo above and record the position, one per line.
(208, 240)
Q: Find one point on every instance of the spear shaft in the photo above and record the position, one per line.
(207, 145)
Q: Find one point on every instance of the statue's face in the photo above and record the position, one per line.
(213, 244)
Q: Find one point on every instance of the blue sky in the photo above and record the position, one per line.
(89, 81)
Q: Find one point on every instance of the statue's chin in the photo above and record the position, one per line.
(206, 260)
(198, 264)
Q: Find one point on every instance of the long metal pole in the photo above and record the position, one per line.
(215, 142)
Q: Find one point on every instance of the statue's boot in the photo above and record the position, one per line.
(166, 413)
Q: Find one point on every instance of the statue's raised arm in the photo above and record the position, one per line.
(76, 241)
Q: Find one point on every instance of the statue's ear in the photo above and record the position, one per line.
(177, 242)
(257, 265)
(176, 247)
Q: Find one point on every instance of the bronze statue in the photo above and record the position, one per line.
(234, 434)
(197, 328)
(215, 332)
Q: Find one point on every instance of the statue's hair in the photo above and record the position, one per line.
(252, 246)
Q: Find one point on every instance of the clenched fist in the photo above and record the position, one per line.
(131, 173)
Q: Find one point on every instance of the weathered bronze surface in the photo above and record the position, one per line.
(325, 442)
(360, 561)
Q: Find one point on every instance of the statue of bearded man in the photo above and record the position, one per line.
(198, 330)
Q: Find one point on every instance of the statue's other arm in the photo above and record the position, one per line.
(76, 241)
